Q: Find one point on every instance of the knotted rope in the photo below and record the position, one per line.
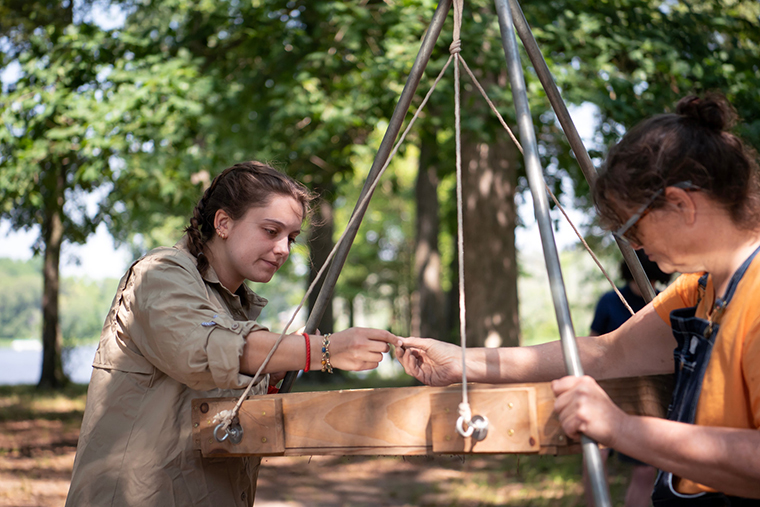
(455, 50)
(465, 413)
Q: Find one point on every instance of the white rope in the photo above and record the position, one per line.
(588, 249)
(554, 198)
(226, 417)
(465, 413)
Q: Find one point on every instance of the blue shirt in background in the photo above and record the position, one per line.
(611, 312)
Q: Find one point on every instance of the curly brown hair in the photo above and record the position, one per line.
(235, 190)
(691, 145)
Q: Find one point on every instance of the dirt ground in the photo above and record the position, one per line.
(38, 438)
(416, 481)
(35, 468)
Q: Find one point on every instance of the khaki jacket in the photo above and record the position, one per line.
(171, 336)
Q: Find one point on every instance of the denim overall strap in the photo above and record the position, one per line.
(695, 338)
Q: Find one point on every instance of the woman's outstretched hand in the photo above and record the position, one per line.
(432, 362)
(357, 348)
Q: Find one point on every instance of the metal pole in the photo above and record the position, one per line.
(551, 256)
(587, 167)
(386, 146)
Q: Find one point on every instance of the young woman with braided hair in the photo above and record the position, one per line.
(687, 191)
(183, 326)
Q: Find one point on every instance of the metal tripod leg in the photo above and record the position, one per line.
(386, 146)
(584, 161)
(541, 206)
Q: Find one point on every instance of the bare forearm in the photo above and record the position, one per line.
(514, 364)
(726, 459)
(538, 363)
(642, 346)
(289, 356)
(353, 349)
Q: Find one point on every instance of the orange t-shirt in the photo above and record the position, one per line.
(730, 395)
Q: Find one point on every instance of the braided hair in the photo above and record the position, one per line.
(235, 190)
(693, 144)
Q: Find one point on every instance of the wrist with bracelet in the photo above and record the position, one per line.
(308, 353)
(326, 365)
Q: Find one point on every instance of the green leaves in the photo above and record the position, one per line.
(49, 115)
(191, 86)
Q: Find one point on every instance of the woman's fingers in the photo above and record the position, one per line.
(379, 335)
(584, 408)
(367, 365)
(360, 348)
(416, 343)
(430, 361)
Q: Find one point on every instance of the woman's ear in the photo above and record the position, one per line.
(222, 223)
(683, 203)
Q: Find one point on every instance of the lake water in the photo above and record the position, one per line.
(22, 363)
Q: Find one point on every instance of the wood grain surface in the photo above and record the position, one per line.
(410, 420)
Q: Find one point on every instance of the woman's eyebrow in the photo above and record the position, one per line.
(281, 224)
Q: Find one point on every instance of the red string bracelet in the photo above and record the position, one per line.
(308, 353)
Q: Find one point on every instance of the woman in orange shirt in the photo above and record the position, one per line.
(687, 191)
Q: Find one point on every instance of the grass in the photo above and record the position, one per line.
(26, 402)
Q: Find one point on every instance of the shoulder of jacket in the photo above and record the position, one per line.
(172, 255)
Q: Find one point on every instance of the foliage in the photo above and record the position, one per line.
(294, 84)
(52, 117)
(305, 89)
(84, 303)
(158, 108)
(84, 306)
(584, 283)
(20, 299)
(636, 58)
(379, 266)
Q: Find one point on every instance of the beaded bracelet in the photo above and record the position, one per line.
(308, 353)
(326, 366)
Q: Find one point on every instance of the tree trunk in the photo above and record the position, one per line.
(428, 299)
(489, 173)
(320, 240)
(52, 376)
